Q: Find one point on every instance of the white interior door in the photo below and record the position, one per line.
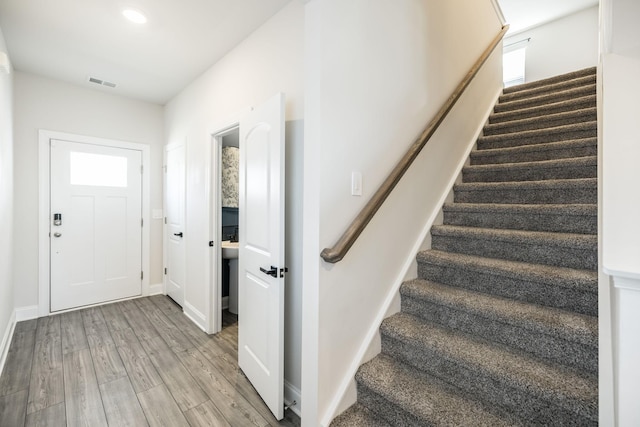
(175, 274)
(261, 252)
(96, 224)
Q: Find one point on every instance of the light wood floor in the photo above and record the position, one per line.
(132, 363)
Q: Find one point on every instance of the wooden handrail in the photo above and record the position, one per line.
(342, 246)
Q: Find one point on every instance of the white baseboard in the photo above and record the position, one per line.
(156, 289)
(26, 313)
(6, 340)
(196, 316)
(292, 398)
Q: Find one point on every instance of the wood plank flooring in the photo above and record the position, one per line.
(133, 363)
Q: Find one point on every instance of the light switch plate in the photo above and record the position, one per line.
(356, 184)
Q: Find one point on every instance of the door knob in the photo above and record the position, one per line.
(178, 234)
(57, 234)
(273, 271)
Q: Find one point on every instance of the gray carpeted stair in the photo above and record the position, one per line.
(500, 327)
(571, 104)
(539, 122)
(568, 218)
(530, 153)
(580, 167)
(557, 335)
(557, 191)
(538, 247)
(559, 287)
(540, 87)
(507, 104)
(538, 136)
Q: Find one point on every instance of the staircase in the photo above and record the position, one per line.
(501, 326)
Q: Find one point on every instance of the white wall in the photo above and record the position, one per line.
(377, 71)
(268, 61)
(621, 157)
(560, 46)
(619, 207)
(42, 103)
(6, 206)
(625, 34)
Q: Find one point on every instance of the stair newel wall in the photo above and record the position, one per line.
(620, 208)
(426, 213)
(391, 240)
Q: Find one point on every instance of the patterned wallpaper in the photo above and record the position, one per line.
(230, 176)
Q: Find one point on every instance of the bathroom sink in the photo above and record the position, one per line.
(229, 249)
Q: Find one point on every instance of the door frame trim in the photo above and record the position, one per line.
(213, 309)
(44, 196)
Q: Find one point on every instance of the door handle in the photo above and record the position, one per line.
(178, 234)
(273, 272)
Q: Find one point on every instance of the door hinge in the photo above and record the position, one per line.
(165, 219)
(165, 270)
(283, 270)
(210, 243)
(165, 168)
(141, 222)
(141, 275)
(141, 169)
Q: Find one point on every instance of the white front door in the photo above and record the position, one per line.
(96, 224)
(175, 212)
(261, 252)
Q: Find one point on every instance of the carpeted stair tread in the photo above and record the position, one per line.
(577, 103)
(406, 397)
(561, 324)
(580, 167)
(502, 376)
(570, 278)
(557, 191)
(575, 148)
(570, 218)
(559, 287)
(552, 80)
(536, 332)
(524, 92)
(538, 247)
(578, 209)
(542, 121)
(358, 416)
(537, 136)
(545, 99)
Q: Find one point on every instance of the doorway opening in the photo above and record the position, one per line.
(227, 209)
(225, 231)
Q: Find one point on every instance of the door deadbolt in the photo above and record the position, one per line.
(57, 219)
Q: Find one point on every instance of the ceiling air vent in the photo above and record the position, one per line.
(101, 82)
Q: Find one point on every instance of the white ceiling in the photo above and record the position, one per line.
(523, 14)
(70, 40)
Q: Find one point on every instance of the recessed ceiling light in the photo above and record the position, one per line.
(134, 16)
